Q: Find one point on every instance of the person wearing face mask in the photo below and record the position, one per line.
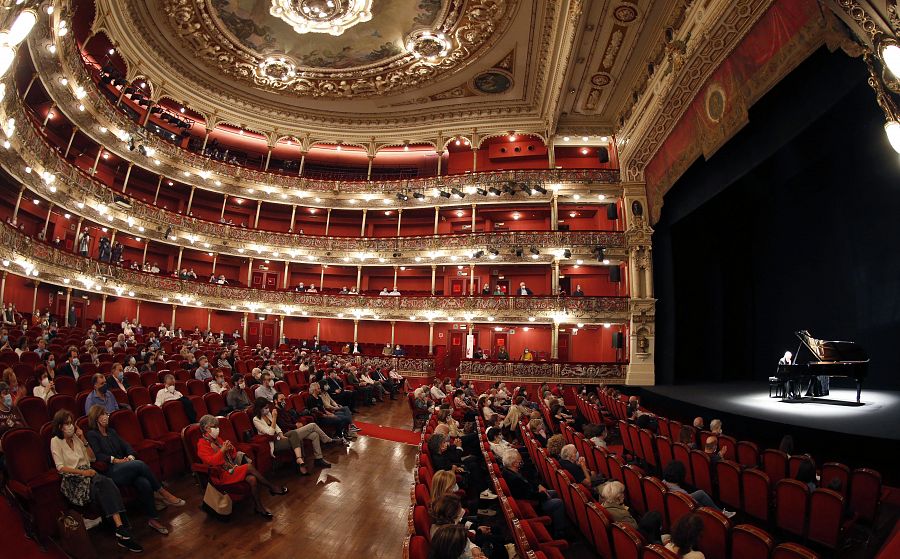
(116, 378)
(45, 387)
(218, 384)
(72, 366)
(237, 398)
(266, 389)
(131, 366)
(265, 421)
(203, 372)
(81, 484)
(447, 511)
(575, 464)
(126, 470)
(230, 466)
(101, 396)
(170, 393)
(10, 416)
(521, 487)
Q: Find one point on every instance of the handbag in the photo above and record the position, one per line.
(220, 503)
(73, 536)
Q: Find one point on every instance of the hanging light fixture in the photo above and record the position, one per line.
(885, 101)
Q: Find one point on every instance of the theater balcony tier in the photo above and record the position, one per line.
(26, 257)
(72, 89)
(542, 371)
(42, 169)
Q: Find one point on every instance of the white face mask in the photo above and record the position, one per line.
(214, 432)
(171, 389)
(45, 382)
(68, 430)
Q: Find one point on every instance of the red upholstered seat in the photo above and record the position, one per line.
(648, 448)
(728, 474)
(65, 385)
(774, 463)
(716, 536)
(418, 547)
(655, 497)
(31, 479)
(791, 506)
(836, 471)
(865, 493)
(663, 451)
(755, 489)
(656, 551)
(678, 505)
(793, 551)
(540, 538)
(634, 490)
(826, 509)
(701, 466)
(63, 402)
(627, 542)
(148, 379)
(600, 521)
(199, 406)
(215, 403)
(750, 542)
(423, 497)
(682, 453)
(85, 382)
(243, 428)
(422, 522)
(196, 388)
(747, 454)
(615, 464)
(190, 435)
(154, 426)
(34, 410)
(580, 499)
(138, 396)
(176, 418)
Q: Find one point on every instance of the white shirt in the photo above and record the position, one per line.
(216, 387)
(437, 393)
(263, 427)
(43, 392)
(164, 396)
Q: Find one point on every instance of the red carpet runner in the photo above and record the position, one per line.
(388, 433)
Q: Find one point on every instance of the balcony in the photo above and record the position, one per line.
(542, 371)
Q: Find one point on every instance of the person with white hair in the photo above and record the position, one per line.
(612, 496)
(572, 462)
(521, 487)
(715, 427)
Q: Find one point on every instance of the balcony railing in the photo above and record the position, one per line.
(99, 203)
(55, 265)
(235, 179)
(543, 371)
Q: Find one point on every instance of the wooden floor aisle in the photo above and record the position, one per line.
(357, 508)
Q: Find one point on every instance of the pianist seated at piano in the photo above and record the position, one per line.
(830, 359)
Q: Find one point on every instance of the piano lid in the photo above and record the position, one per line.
(832, 351)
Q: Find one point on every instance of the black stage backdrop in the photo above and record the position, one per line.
(793, 224)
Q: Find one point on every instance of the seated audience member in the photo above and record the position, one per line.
(236, 398)
(698, 423)
(265, 422)
(686, 436)
(686, 537)
(394, 292)
(443, 482)
(116, 378)
(502, 354)
(327, 412)
(223, 362)
(498, 444)
(388, 383)
(365, 385)
(650, 527)
(230, 465)
(521, 487)
(255, 377)
(578, 292)
(202, 372)
(125, 469)
(16, 390)
(446, 456)
(787, 445)
(101, 396)
(170, 393)
(218, 384)
(555, 445)
(81, 484)
(538, 430)
(613, 498)
(292, 420)
(527, 355)
(334, 387)
(45, 387)
(673, 477)
(266, 389)
(711, 448)
(437, 394)
(715, 427)
(451, 541)
(10, 415)
(387, 351)
(399, 351)
(448, 511)
(575, 464)
(596, 434)
(421, 401)
(806, 473)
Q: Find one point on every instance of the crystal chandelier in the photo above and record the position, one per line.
(322, 16)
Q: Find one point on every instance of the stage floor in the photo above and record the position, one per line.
(878, 416)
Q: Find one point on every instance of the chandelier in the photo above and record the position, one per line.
(322, 16)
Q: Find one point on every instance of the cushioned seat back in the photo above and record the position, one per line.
(34, 410)
(791, 506)
(599, 521)
(728, 475)
(139, 396)
(755, 490)
(626, 541)
(176, 418)
(747, 454)
(750, 542)
(716, 533)
(422, 522)
(865, 493)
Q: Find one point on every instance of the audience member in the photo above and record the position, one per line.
(686, 537)
(45, 387)
(169, 393)
(237, 398)
(521, 487)
(612, 497)
(673, 477)
(100, 396)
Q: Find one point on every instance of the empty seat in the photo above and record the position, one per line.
(34, 410)
(826, 508)
(31, 479)
(747, 454)
(791, 506)
(774, 463)
(836, 476)
(865, 493)
(750, 542)
(755, 491)
(793, 551)
(154, 426)
(633, 489)
(63, 402)
(728, 475)
(715, 539)
(599, 521)
(678, 505)
(655, 497)
(422, 522)
(627, 542)
(700, 465)
(138, 396)
(126, 424)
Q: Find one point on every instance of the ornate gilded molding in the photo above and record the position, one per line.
(542, 371)
(63, 268)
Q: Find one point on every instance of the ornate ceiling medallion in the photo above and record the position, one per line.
(322, 16)
(277, 69)
(429, 46)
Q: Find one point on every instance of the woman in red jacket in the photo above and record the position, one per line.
(229, 465)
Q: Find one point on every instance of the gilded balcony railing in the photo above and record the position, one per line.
(543, 371)
(56, 265)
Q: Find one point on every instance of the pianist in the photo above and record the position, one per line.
(786, 360)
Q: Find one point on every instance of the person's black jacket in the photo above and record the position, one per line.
(519, 486)
(109, 447)
(66, 371)
(450, 457)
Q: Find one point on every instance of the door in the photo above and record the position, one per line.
(458, 287)
(268, 335)
(62, 311)
(563, 346)
(264, 280)
(504, 286)
(565, 285)
(500, 340)
(457, 349)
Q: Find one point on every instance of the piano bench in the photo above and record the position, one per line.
(776, 385)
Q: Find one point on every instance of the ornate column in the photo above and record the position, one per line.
(256, 219)
(642, 320)
(137, 312)
(68, 304)
(47, 118)
(431, 338)
(474, 157)
(318, 327)
(440, 157)
(47, 220)
(71, 139)
(433, 277)
(147, 115)
(395, 276)
(287, 274)
(3, 286)
(178, 263)
(158, 185)
(471, 279)
(245, 326)
(554, 341)
(215, 258)
(355, 330)
(473, 218)
(249, 271)
(399, 219)
(322, 277)
(393, 328)
(358, 278)
(327, 221)
(174, 306)
(369, 171)
(96, 161)
(268, 158)
(78, 232)
(554, 278)
(205, 140)
(302, 163)
(146, 246)
(15, 214)
(224, 203)
(437, 214)
(293, 217)
(208, 318)
(362, 228)
(103, 307)
(281, 329)
(127, 176)
(187, 211)
(554, 212)
(551, 154)
(37, 284)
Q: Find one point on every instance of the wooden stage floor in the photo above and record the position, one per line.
(357, 508)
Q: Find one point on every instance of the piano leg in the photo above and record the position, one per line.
(858, 390)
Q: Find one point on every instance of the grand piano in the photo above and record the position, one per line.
(831, 359)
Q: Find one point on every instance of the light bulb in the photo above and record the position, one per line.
(890, 54)
(892, 129)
